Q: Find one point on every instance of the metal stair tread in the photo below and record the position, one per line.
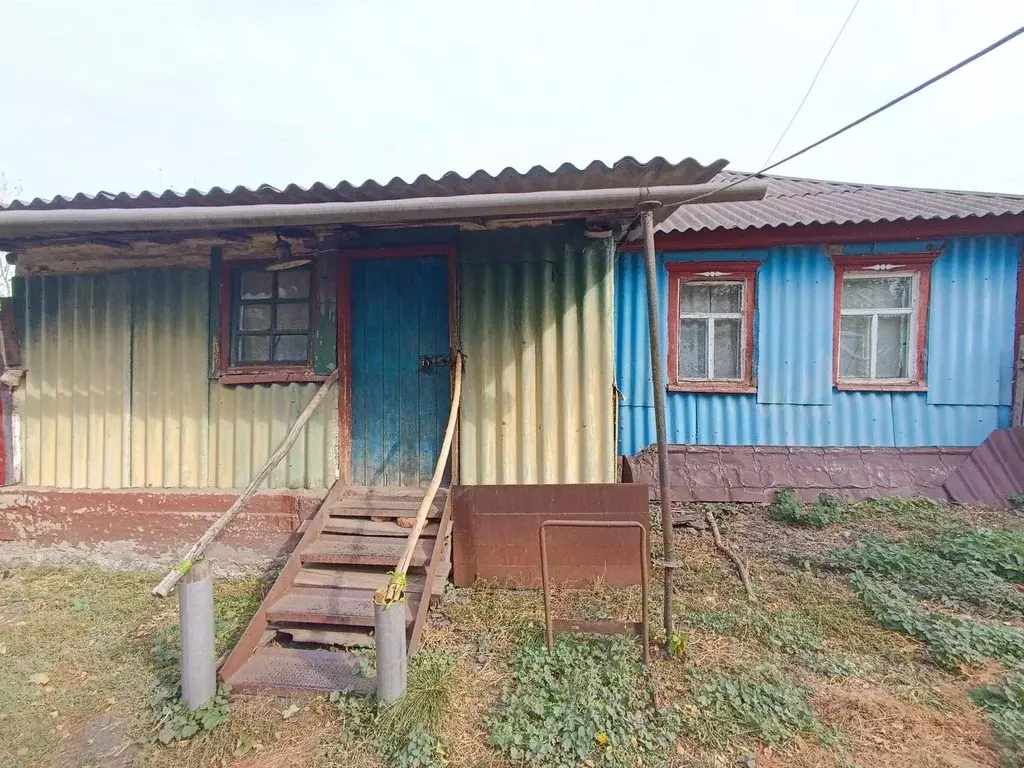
(285, 671)
(367, 550)
(328, 606)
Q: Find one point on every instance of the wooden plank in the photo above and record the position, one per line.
(363, 526)
(363, 550)
(327, 635)
(396, 491)
(404, 505)
(381, 511)
(249, 640)
(406, 371)
(436, 556)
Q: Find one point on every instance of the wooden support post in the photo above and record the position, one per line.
(198, 659)
(389, 639)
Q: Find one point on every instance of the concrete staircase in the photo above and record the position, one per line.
(320, 607)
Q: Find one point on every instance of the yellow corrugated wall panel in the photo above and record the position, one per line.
(170, 378)
(74, 402)
(536, 324)
(248, 422)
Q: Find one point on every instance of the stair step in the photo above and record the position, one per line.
(338, 607)
(294, 671)
(413, 492)
(326, 635)
(362, 526)
(364, 550)
(361, 578)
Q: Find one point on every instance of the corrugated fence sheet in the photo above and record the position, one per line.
(971, 321)
(75, 398)
(247, 423)
(170, 378)
(117, 393)
(536, 327)
(970, 348)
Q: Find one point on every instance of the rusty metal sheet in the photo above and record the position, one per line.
(496, 528)
(535, 319)
(993, 472)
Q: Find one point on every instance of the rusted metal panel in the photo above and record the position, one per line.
(535, 319)
(248, 422)
(993, 472)
(169, 385)
(74, 401)
(496, 533)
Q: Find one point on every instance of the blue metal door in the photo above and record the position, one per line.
(399, 405)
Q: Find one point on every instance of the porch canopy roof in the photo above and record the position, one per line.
(121, 225)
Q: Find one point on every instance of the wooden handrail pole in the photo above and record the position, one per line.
(163, 589)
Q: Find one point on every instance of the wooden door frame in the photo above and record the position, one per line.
(345, 258)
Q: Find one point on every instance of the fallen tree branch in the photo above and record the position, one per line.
(744, 576)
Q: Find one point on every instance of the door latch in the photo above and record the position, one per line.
(432, 361)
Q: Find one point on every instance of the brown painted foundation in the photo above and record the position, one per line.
(157, 521)
(496, 534)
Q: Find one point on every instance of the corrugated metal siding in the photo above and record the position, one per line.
(248, 422)
(794, 338)
(970, 344)
(170, 364)
(74, 401)
(970, 357)
(536, 327)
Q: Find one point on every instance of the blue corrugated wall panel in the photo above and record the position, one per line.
(970, 341)
(794, 342)
(970, 348)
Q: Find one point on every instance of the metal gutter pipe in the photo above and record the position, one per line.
(24, 224)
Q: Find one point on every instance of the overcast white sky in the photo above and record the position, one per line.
(143, 95)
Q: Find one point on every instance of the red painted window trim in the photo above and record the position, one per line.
(734, 271)
(265, 373)
(906, 262)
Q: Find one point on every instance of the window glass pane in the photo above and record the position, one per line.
(693, 349)
(726, 297)
(855, 347)
(256, 284)
(291, 349)
(293, 284)
(253, 349)
(694, 298)
(893, 336)
(727, 349)
(293, 317)
(254, 317)
(877, 292)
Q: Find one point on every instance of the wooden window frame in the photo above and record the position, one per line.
(744, 272)
(919, 265)
(261, 373)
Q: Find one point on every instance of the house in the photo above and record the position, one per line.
(829, 336)
(167, 344)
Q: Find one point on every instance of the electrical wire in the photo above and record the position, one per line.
(813, 81)
(903, 97)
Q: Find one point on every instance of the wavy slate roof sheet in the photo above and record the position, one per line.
(627, 172)
(792, 201)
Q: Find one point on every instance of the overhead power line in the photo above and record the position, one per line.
(903, 97)
(813, 81)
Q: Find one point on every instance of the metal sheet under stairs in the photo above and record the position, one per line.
(320, 608)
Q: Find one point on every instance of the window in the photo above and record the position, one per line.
(267, 324)
(881, 318)
(711, 328)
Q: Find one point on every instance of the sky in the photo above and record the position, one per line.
(155, 95)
